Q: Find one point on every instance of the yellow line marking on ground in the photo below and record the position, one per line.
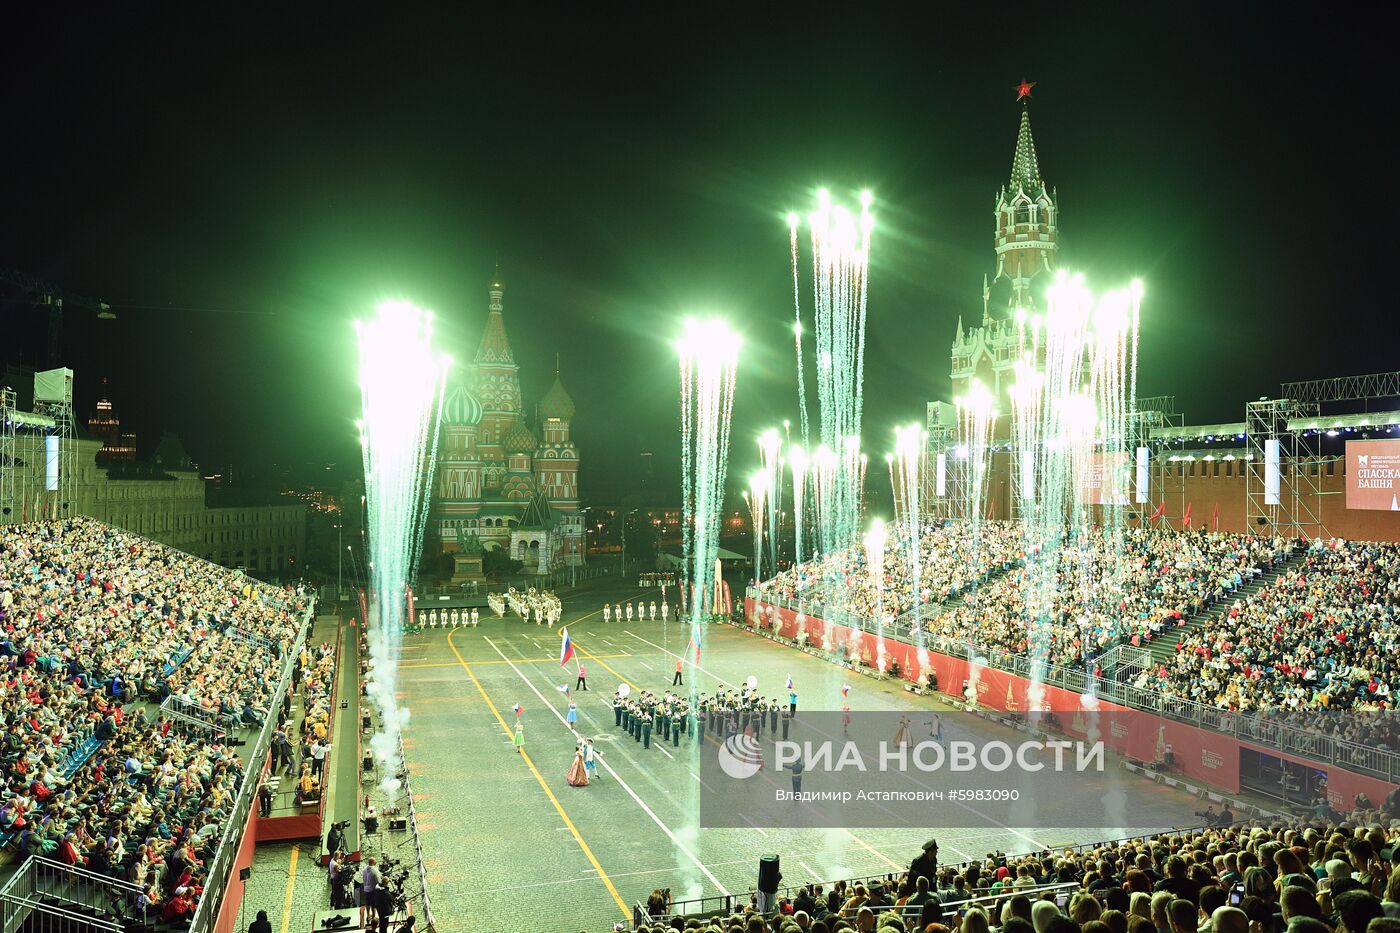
(412, 667)
(606, 666)
(873, 851)
(559, 808)
(291, 889)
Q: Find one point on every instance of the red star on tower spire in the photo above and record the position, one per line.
(1023, 90)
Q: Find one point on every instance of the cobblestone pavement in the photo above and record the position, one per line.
(510, 846)
(291, 906)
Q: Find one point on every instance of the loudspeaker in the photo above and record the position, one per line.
(1261, 520)
(768, 874)
(245, 873)
(367, 764)
(397, 824)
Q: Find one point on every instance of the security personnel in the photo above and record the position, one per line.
(617, 710)
(787, 720)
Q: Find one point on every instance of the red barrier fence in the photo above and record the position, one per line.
(1209, 757)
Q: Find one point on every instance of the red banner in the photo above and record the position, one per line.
(1201, 754)
(1373, 475)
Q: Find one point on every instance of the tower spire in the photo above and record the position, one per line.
(1027, 218)
(1025, 168)
(495, 348)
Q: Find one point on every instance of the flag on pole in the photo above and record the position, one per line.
(518, 710)
(845, 690)
(564, 689)
(1186, 519)
(1159, 512)
(693, 645)
(789, 682)
(1215, 518)
(566, 650)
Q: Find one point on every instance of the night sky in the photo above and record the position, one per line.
(632, 165)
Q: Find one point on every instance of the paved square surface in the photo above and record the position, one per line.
(511, 846)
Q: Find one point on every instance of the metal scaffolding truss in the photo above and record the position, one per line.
(938, 442)
(9, 462)
(1292, 507)
(1158, 426)
(1344, 388)
(38, 455)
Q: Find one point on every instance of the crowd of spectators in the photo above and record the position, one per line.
(1322, 636)
(1294, 879)
(95, 622)
(1104, 588)
(952, 558)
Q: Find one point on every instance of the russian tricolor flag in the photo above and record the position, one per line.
(566, 650)
(845, 690)
(789, 682)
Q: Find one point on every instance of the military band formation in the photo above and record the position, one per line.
(669, 717)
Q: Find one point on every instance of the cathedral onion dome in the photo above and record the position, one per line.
(519, 440)
(461, 407)
(556, 402)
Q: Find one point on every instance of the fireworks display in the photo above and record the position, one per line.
(401, 388)
(840, 243)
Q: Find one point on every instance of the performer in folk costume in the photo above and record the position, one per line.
(571, 717)
(590, 756)
(578, 773)
(476, 618)
(665, 610)
(901, 735)
(617, 611)
(582, 683)
(629, 612)
(652, 609)
(607, 613)
(519, 737)
(935, 728)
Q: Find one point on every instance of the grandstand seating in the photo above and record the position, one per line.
(1313, 627)
(96, 626)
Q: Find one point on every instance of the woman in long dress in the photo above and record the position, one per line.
(901, 736)
(578, 774)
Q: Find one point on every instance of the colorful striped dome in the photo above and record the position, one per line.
(461, 407)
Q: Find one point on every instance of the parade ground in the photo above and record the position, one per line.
(506, 837)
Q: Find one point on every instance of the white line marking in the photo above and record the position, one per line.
(1011, 829)
(617, 777)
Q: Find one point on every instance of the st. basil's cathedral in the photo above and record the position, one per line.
(504, 481)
